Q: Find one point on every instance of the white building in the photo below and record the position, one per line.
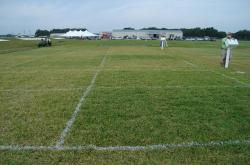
(147, 34)
(56, 35)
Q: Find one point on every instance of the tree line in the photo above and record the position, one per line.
(212, 32)
(242, 35)
(191, 32)
(202, 32)
(195, 32)
(40, 32)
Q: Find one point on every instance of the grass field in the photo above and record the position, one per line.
(73, 102)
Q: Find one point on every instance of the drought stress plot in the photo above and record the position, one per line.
(141, 96)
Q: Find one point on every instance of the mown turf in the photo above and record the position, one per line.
(209, 155)
(155, 116)
(35, 118)
(142, 96)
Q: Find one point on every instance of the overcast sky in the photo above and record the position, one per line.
(17, 16)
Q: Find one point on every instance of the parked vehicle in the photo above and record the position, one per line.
(45, 42)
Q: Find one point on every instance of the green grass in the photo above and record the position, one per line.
(157, 116)
(142, 96)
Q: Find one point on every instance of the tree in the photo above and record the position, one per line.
(65, 30)
(128, 28)
(198, 32)
(242, 35)
(42, 33)
(150, 28)
(47, 33)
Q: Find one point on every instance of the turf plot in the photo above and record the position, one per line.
(146, 96)
(39, 91)
(141, 96)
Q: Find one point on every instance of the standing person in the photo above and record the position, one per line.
(163, 42)
(224, 49)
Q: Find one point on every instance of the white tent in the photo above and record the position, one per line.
(68, 34)
(73, 34)
(79, 34)
(3, 40)
(86, 33)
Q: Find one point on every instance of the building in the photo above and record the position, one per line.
(105, 35)
(147, 34)
(56, 35)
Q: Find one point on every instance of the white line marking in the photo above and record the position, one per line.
(154, 69)
(232, 78)
(240, 72)
(110, 69)
(189, 63)
(226, 76)
(41, 90)
(170, 87)
(69, 124)
(124, 87)
(123, 148)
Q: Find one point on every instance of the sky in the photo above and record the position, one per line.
(26, 16)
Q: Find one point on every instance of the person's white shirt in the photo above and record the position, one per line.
(163, 38)
(231, 42)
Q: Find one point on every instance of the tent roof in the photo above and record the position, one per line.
(79, 34)
(86, 33)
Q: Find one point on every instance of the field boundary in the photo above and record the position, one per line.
(126, 87)
(173, 87)
(107, 69)
(192, 144)
(71, 121)
(42, 89)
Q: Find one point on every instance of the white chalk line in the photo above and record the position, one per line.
(170, 87)
(69, 124)
(123, 148)
(189, 63)
(155, 69)
(239, 72)
(41, 89)
(54, 71)
(232, 78)
(124, 87)
(226, 76)
(106, 69)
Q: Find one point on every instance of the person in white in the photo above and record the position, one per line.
(224, 49)
(163, 42)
